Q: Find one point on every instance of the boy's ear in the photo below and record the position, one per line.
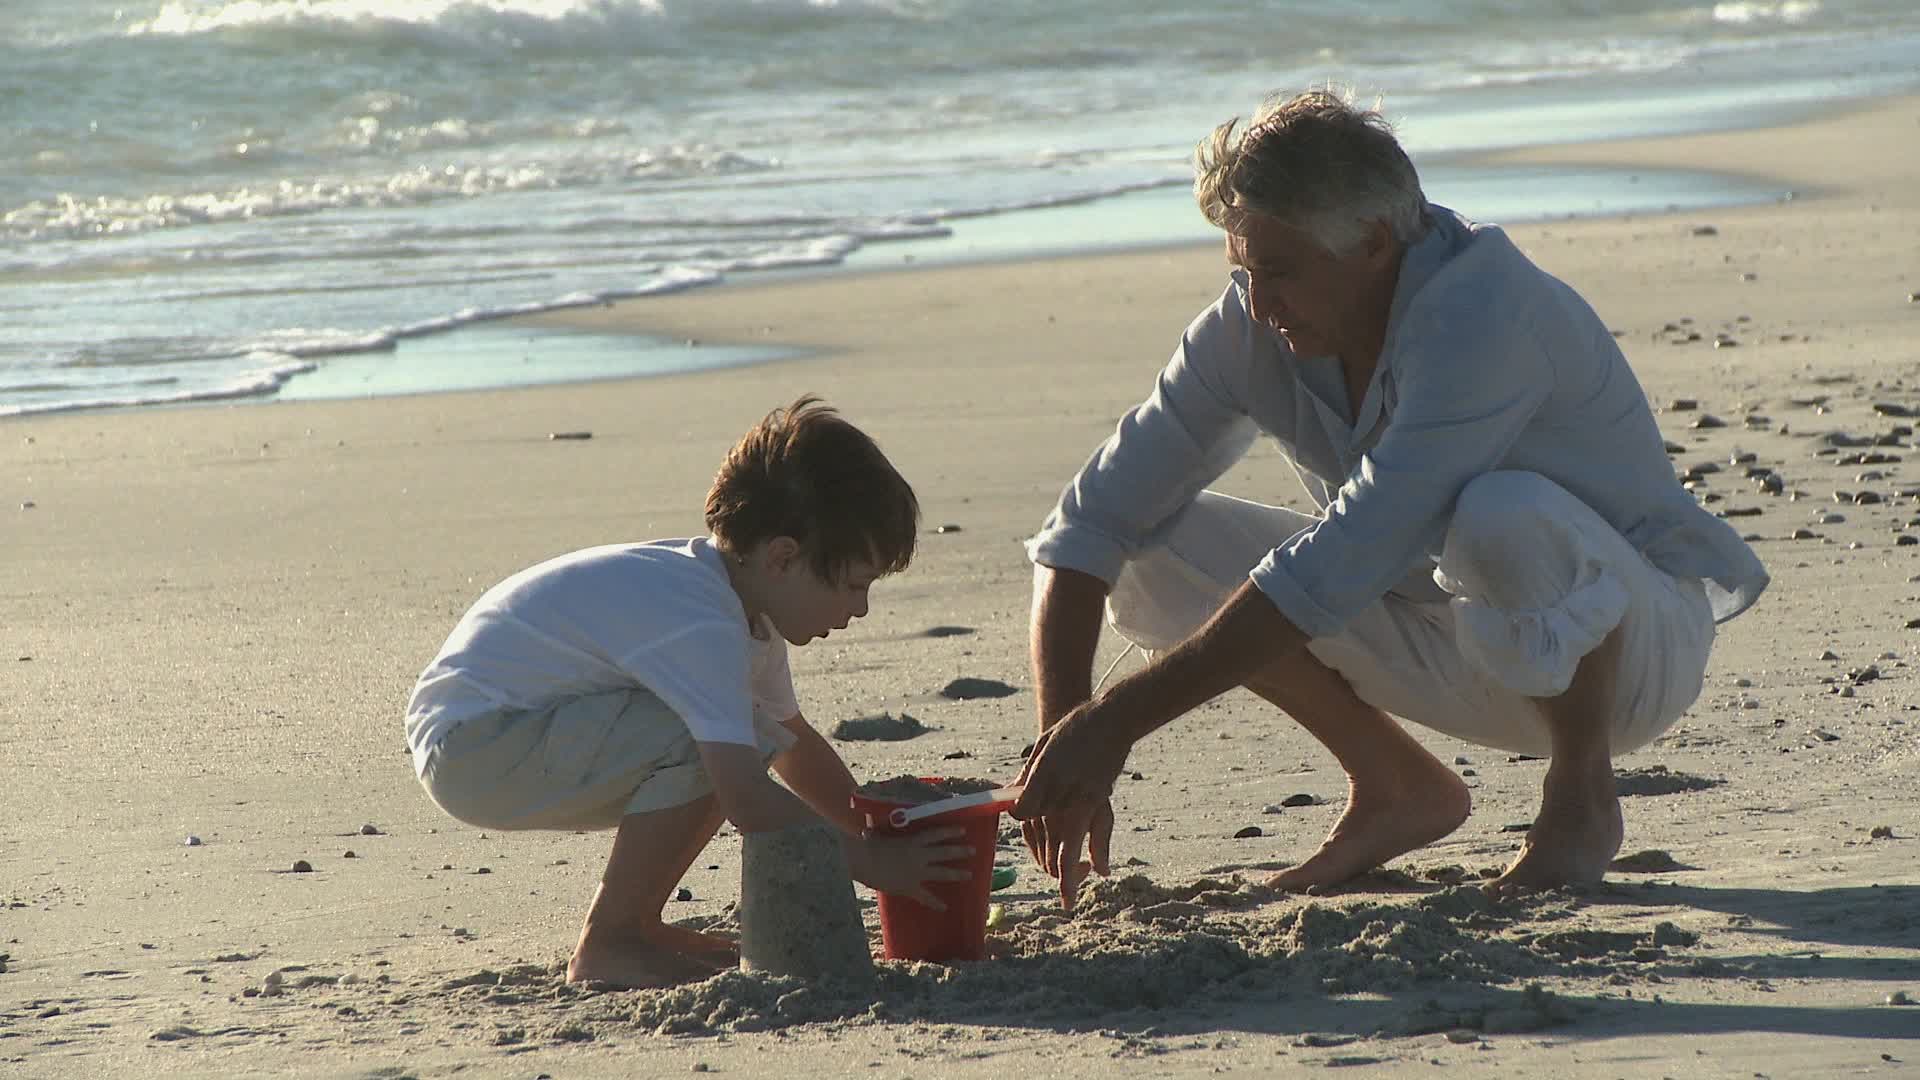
(781, 553)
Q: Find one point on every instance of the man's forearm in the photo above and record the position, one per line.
(1065, 632)
(1245, 635)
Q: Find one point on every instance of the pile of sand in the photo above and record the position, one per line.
(1134, 948)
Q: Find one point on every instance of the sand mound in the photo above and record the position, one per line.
(885, 727)
(1135, 947)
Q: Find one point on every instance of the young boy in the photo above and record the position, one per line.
(645, 687)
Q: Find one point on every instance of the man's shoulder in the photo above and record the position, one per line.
(1483, 283)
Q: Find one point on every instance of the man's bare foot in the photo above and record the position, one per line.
(1571, 843)
(1382, 822)
(642, 964)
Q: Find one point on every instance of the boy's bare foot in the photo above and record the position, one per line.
(639, 965)
(1571, 843)
(698, 943)
(1382, 822)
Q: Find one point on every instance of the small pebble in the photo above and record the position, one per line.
(1248, 833)
(302, 866)
(683, 894)
(1881, 832)
(194, 841)
(944, 529)
(349, 854)
(369, 830)
(558, 435)
(1899, 997)
(1301, 799)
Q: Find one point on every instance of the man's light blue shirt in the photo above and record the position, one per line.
(1489, 363)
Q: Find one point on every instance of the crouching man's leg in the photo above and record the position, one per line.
(1399, 796)
(1554, 608)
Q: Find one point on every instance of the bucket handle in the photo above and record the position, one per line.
(903, 816)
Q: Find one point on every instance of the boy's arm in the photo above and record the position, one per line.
(895, 864)
(815, 772)
(748, 796)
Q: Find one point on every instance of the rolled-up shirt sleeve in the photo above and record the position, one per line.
(1466, 392)
(1164, 451)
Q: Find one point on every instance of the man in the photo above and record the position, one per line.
(1502, 551)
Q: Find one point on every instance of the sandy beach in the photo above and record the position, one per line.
(215, 615)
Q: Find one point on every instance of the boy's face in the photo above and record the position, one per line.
(803, 606)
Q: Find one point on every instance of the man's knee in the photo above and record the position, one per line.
(1499, 519)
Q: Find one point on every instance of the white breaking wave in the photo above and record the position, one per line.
(253, 383)
(68, 216)
(511, 23)
(1745, 11)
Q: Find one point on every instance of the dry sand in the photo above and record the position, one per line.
(214, 615)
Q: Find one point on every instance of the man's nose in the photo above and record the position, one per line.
(1263, 304)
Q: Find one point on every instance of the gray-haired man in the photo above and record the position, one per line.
(1501, 550)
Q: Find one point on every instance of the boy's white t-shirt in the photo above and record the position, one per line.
(660, 615)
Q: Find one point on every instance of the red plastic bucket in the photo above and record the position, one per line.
(909, 929)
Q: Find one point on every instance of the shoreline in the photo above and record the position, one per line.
(1738, 164)
(483, 355)
(1876, 173)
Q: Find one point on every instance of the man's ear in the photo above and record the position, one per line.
(1378, 245)
(781, 553)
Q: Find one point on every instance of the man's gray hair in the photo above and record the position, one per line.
(1316, 162)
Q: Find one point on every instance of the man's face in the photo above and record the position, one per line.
(804, 606)
(1323, 304)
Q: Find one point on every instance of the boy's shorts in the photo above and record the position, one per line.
(581, 763)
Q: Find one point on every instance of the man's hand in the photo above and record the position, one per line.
(1076, 761)
(1056, 841)
(1069, 777)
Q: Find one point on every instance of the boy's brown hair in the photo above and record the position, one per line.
(806, 473)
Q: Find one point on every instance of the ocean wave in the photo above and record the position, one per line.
(67, 216)
(257, 382)
(1747, 11)
(599, 26)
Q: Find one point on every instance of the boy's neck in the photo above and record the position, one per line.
(745, 585)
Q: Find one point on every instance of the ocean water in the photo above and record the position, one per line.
(216, 199)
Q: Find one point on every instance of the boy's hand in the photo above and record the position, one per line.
(902, 865)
